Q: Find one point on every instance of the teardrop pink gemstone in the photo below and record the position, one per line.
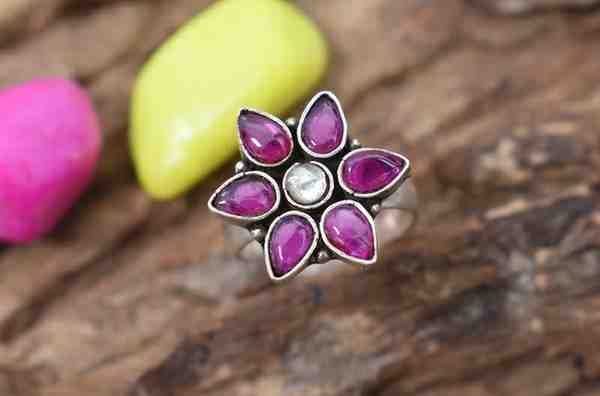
(323, 128)
(264, 139)
(248, 196)
(370, 170)
(348, 229)
(290, 241)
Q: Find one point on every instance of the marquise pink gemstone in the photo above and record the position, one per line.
(248, 196)
(323, 128)
(49, 147)
(290, 241)
(264, 139)
(370, 170)
(349, 230)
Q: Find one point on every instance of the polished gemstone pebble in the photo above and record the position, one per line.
(262, 54)
(248, 196)
(348, 229)
(49, 146)
(369, 170)
(290, 241)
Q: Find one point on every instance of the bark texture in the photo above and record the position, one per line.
(496, 293)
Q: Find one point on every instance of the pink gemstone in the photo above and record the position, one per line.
(249, 196)
(49, 147)
(323, 128)
(366, 171)
(348, 229)
(290, 241)
(264, 139)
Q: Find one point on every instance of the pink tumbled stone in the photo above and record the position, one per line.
(49, 146)
(264, 139)
(349, 230)
(323, 128)
(367, 171)
(291, 239)
(248, 196)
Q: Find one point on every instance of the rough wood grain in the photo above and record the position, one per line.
(497, 292)
(525, 6)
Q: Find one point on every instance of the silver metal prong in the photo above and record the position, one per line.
(323, 257)
(240, 166)
(258, 233)
(355, 144)
(375, 209)
(291, 122)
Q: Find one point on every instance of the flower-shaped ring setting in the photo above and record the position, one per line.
(307, 193)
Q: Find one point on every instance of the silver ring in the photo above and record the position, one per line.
(304, 193)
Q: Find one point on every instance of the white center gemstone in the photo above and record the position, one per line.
(306, 184)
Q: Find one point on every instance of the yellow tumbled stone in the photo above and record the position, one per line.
(263, 54)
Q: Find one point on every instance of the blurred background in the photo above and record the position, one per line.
(497, 104)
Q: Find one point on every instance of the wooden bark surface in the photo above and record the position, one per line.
(497, 102)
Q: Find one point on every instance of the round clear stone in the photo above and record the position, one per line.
(306, 184)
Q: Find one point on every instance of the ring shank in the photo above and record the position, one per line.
(396, 217)
(398, 213)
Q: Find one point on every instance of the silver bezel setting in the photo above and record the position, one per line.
(306, 259)
(283, 125)
(307, 109)
(243, 220)
(256, 233)
(337, 252)
(326, 197)
(385, 190)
